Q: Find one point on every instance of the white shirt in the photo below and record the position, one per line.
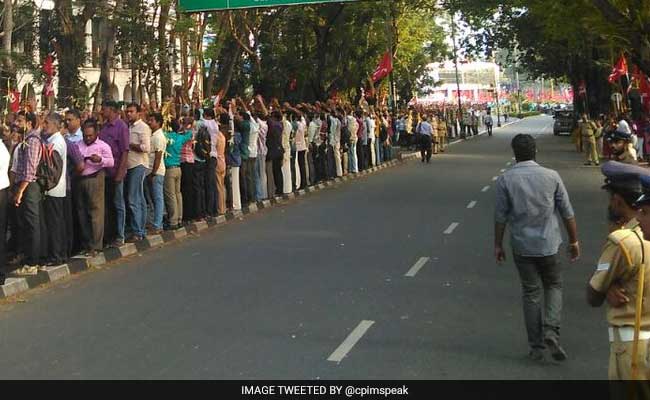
(252, 139)
(4, 167)
(58, 144)
(301, 128)
(313, 132)
(353, 127)
(370, 128)
(213, 130)
(158, 143)
(286, 138)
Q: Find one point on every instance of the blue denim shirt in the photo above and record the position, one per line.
(528, 199)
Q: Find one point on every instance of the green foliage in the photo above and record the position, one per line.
(334, 48)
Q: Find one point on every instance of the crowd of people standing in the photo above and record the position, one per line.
(77, 182)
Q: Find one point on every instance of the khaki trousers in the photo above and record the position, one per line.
(620, 371)
(591, 149)
(173, 196)
(221, 192)
(620, 360)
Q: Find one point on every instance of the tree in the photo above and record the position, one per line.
(68, 31)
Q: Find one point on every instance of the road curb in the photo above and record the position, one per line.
(17, 284)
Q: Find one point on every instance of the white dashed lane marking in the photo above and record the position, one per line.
(416, 268)
(502, 171)
(349, 342)
(485, 189)
(451, 228)
(494, 178)
(472, 204)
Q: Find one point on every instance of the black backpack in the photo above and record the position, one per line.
(345, 135)
(50, 166)
(203, 144)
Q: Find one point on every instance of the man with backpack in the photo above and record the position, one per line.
(55, 231)
(28, 195)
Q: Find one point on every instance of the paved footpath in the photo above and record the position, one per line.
(388, 277)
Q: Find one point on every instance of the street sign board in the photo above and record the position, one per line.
(216, 5)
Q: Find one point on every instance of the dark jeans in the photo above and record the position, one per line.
(489, 129)
(278, 180)
(539, 274)
(361, 156)
(211, 187)
(200, 170)
(187, 191)
(302, 167)
(247, 180)
(54, 233)
(30, 217)
(311, 165)
(425, 149)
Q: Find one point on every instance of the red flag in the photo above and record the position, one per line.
(192, 73)
(384, 69)
(48, 66)
(14, 100)
(619, 70)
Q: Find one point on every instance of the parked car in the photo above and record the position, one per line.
(565, 121)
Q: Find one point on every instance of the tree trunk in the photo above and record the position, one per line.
(107, 49)
(212, 72)
(7, 28)
(70, 49)
(163, 62)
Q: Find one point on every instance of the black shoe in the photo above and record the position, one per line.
(557, 352)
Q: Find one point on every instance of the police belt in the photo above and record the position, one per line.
(626, 334)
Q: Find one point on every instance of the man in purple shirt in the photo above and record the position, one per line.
(115, 133)
(28, 194)
(95, 156)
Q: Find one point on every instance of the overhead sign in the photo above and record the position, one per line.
(216, 5)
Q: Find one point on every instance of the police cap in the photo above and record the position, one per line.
(618, 135)
(644, 199)
(624, 177)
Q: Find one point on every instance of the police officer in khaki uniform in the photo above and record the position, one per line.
(621, 272)
(442, 133)
(588, 132)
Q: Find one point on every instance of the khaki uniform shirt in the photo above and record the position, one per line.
(627, 158)
(588, 128)
(621, 262)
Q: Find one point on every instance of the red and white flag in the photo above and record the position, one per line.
(14, 100)
(619, 70)
(384, 69)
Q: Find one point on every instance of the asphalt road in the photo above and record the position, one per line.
(276, 295)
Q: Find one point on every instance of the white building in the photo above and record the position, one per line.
(120, 75)
(477, 82)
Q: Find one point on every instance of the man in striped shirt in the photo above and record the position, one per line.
(28, 195)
